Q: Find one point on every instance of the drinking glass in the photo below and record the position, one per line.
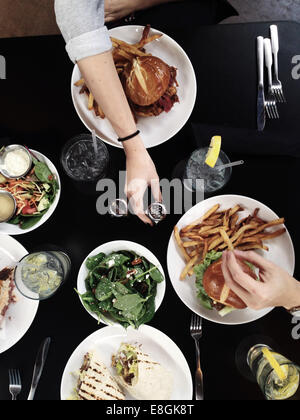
(85, 159)
(272, 386)
(39, 275)
(214, 178)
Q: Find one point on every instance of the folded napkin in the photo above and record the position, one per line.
(249, 141)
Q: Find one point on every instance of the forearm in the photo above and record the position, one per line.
(103, 81)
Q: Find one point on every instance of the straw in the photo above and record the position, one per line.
(229, 165)
(95, 142)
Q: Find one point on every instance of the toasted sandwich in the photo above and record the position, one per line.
(95, 382)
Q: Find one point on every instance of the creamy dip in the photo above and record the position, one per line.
(17, 162)
(7, 207)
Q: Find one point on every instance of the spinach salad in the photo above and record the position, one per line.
(121, 287)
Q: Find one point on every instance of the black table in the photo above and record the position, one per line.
(36, 109)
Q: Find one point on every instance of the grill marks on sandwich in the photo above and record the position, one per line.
(96, 382)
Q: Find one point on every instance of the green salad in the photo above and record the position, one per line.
(34, 194)
(121, 287)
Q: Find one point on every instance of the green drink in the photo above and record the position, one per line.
(278, 377)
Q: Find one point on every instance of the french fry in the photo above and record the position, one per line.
(80, 82)
(189, 265)
(190, 244)
(226, 239)
(180, 244)
(271, 235)
(91, 101)
(131, 49)
(101, 113)
(223, 229)
(147, 40)
(266, 225)
(201, 219)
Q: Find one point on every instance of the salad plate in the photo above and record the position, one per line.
(50, 190)
(121, 282)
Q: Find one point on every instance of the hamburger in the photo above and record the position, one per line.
(212, 289)
(150, 86)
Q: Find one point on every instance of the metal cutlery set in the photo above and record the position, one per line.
(267, 56)
(15, 383)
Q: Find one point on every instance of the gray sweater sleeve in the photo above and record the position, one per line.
(82, 25)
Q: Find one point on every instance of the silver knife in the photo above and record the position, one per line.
(39, 366)
(261, 111)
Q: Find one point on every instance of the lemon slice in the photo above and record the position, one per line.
(213, 151)
(281, 373)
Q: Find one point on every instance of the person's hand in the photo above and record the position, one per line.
(141, 173)
(275, 288)
(118, 9)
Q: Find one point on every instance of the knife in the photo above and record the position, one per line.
(261, 112)
(39, 366)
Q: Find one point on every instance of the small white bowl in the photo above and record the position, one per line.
(116, 246)
(10, 229)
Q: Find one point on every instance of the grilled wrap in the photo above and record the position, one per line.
(140, 376)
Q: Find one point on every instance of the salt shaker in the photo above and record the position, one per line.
(156, 212)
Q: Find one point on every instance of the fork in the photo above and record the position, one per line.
(196, 333)
(276, 84)
(271, 106)
(15, 384)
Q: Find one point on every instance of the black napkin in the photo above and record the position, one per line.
(249, 141)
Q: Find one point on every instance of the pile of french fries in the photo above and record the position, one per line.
(123, 55)
(219, 230)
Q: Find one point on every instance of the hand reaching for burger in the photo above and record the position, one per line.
(275, 288)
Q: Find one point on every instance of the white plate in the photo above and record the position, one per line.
(10, 229)
(281, 252)
(21, 314)
(115, 246)
(154, 130)
(107, 341)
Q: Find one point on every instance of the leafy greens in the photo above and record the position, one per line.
(121, 287)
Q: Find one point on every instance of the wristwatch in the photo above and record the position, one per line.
(295, 311)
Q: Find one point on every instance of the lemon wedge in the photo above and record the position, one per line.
(281, 373)
(213, 151)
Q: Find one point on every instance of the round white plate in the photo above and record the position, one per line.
(21, 314)
(159, 347)
(115, 246)
(10, 229)
(154, 130)
(281, 252)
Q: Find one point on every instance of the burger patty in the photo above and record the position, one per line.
(164, 104)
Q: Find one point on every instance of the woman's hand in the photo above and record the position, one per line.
(275, 288)
(141, 173)
(118, 9)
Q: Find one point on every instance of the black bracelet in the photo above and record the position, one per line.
(129, 137)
